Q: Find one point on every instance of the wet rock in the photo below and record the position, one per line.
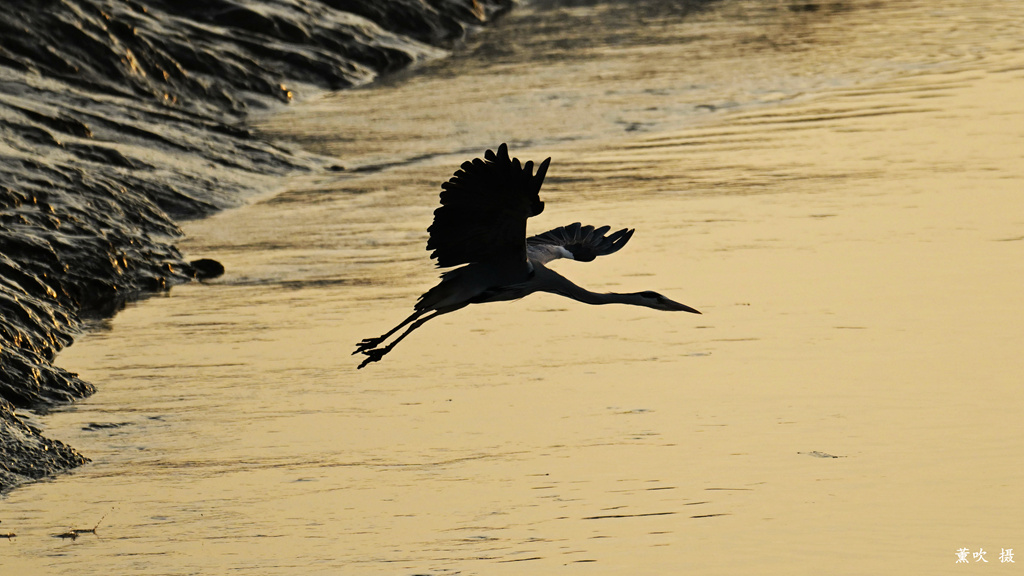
(206, 269)
(26, 455)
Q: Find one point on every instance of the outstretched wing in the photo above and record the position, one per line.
(484, 208)
(583, 243)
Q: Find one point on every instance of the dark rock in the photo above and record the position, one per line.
(26, 455)
(205, 268)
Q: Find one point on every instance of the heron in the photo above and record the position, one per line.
(481, 228)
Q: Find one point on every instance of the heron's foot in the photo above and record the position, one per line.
(373, 356)
(367, 344)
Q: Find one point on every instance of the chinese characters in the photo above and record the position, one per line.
(963, 556)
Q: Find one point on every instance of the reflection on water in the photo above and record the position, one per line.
(562, 72)
(856, 305)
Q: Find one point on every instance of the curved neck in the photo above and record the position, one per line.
(588, 297)
(555, 283)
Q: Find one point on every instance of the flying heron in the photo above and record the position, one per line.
(481, 225)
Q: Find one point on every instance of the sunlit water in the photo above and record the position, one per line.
(836, 186)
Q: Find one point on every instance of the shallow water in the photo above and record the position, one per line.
(844, 208)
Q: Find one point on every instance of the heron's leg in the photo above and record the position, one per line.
(368, 343)
(378, 353)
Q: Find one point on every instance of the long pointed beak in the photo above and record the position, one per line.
(685, 308)
(676, 306)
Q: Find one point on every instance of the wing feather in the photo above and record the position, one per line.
(484, 207)
(585, 243)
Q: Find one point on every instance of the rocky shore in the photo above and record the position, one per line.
(120, 118)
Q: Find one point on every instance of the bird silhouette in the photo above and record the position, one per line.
(481, 227)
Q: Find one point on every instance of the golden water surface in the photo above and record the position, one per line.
(839, 188)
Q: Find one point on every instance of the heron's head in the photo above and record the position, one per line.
(659, 302)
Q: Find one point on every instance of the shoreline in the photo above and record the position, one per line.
(124, 123)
